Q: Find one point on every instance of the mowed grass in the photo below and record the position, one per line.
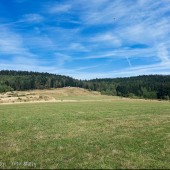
(115, 134)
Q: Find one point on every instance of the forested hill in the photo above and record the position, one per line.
(146, 86)
(24, 80)
(150, 86)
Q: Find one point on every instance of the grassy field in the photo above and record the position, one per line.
(101, 134)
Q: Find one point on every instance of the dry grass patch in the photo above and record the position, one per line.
(67, 94)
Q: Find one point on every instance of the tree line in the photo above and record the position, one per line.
(145, 86)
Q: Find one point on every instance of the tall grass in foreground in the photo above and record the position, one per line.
(117, 134)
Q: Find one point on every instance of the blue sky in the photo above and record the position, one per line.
(86, 39)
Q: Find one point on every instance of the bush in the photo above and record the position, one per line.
(5, 88)
(133, 96)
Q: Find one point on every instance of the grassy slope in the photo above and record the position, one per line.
(73, 93)
(117, 134)
(52, 95)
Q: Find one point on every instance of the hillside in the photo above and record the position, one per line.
(66, 94)
(146, 86)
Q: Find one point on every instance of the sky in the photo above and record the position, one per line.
(86, 39)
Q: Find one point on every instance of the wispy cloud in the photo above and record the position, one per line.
(102, 11)
(11, 44)
(108, 38)
(122, 53)
(27, 18)
(33, 18)
(61, 59)
(112, 38)
(59, 8)
(163, 53)
(77, 47)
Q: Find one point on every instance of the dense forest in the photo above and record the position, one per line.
(146, 86)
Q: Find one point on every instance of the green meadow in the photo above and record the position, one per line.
(87, 135)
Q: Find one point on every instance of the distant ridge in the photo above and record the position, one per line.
(143, 86)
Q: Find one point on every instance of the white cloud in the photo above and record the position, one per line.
(108, 38)
(123, 53)
(103, 12)
(163, 53)
(59, 8)
(12, 44)
(32, 18)
(27, 18)
(77, 47)
(61, 59)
